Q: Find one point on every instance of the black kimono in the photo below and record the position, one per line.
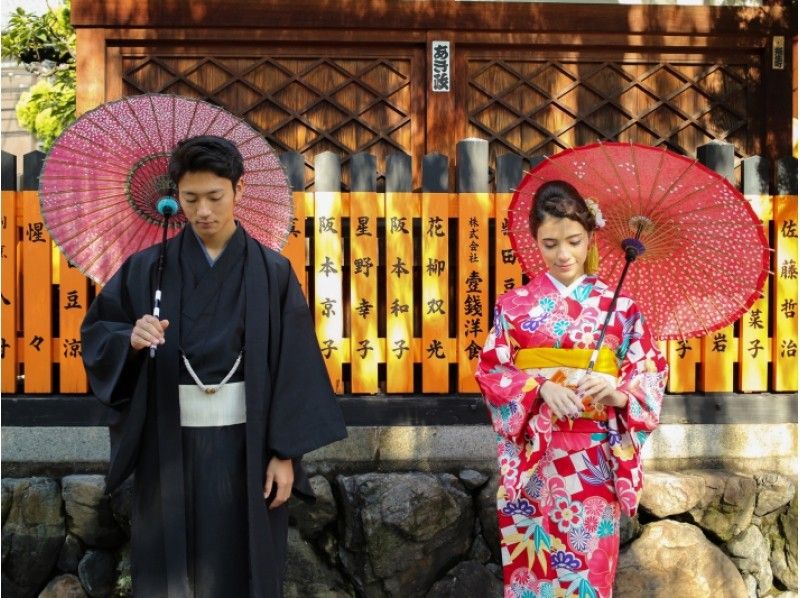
(184, 531)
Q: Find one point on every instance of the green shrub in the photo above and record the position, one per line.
(45, 44)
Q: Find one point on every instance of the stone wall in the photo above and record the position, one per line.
(410, 534)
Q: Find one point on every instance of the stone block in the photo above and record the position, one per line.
(64, 586)
(70, 555)
(479, 551)
(33, 534)
(487, 513)
(783, 558)
(308, 575)
(468, 578)
(472, 479)
(629, 529)
(121, 501)
(5, 501)
(750, 553)
(312, 518)
(89, 513)
(666, 494)
(402, 531)
(98, 573)
(726, 508)
(675, 559)
(774, 492)
(751, 585)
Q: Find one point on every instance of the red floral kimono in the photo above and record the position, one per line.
(563, 484)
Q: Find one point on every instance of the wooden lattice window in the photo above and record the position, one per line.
(539, 107)
(307, 104)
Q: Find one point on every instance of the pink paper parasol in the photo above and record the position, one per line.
(104, 175)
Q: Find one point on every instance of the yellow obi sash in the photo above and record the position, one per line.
(549, 357)
(569, 359)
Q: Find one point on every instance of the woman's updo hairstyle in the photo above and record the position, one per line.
(559, 199)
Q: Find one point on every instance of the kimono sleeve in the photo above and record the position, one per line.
(509, 392)
(304, 413)
(112, 365)
(643, 375)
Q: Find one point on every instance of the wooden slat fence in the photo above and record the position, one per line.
(402, 283)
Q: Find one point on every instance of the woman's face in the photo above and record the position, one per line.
(563, 244)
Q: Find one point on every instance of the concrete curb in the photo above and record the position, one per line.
(745, 447)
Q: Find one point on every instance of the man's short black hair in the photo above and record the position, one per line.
(206, 153)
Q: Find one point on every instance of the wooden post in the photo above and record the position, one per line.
(436, 351)
(401, 208)
(32, 164)
(90, 68)
(398, 173)
(784, 339)
(294, 164)
(683, 357)
(754, 346)
(365, 348)
(719, 349)
(73, 301)
(36, 269)
(474, 207)
(328, 260)
(8, 248)
(786, 176)
(776, 86)
(8, 173)
(508, 174)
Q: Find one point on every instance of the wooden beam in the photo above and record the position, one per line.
(428, 15)
(239, 40)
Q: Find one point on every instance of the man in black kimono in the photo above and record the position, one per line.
(213, 428)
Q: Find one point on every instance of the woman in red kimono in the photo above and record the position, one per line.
(568, 443)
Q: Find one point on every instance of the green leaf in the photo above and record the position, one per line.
(48, 107)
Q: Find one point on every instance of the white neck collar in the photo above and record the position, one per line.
(564, 290)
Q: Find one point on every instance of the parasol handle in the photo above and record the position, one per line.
(633, 249)
(166, 206)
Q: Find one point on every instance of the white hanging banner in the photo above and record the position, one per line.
(440, 66)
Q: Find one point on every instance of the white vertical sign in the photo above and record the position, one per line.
(440, 66)
(778, 53)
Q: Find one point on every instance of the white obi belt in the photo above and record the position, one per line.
(225, 407)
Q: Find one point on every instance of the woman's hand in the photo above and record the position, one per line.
(562, 401)
(601, 391)
(280, 473)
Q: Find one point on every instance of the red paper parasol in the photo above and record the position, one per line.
(104, 175)
(706, 257)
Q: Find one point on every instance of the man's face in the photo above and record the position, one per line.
(207, 201)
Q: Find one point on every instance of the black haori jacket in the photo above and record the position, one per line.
(291, 407)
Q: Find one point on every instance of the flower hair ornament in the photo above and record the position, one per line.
(594, 208)
(593, 255)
